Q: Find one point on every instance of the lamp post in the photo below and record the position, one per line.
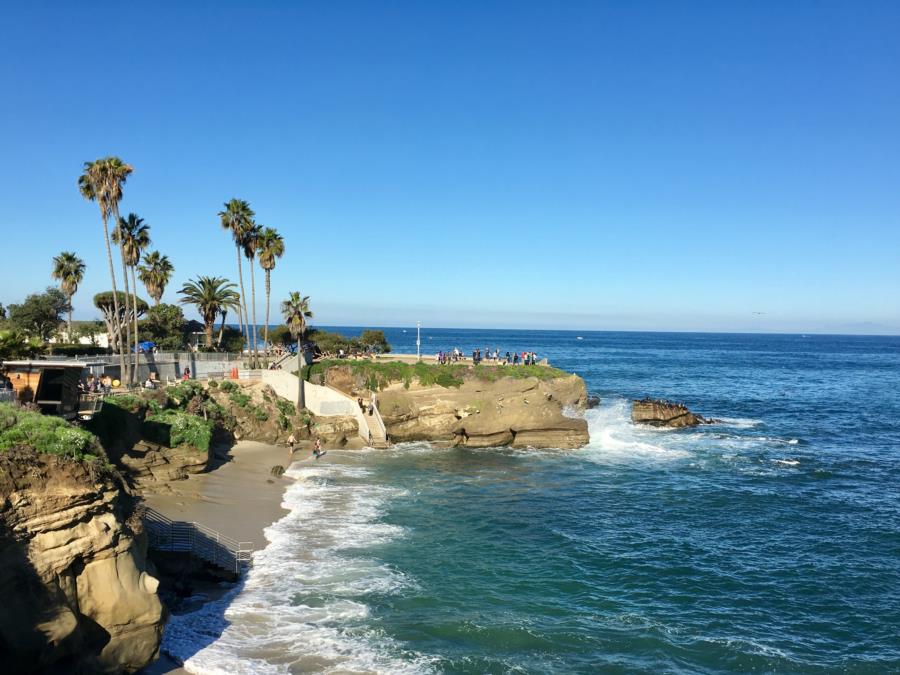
(418, 340)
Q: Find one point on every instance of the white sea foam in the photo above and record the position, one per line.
(304, 602)
(739, 422)
(615, 438)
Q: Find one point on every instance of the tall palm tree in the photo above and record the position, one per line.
(271, 247)
(211, 296)
(236, 218)
(68, 269)
(155, 273)
(133, 237)
(296, 311)
(102, 181)
(250, 246)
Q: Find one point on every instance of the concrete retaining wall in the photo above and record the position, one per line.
(320, 400)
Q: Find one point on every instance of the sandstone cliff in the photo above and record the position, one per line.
(77, 593)
(477, 411)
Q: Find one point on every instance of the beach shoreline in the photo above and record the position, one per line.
(238, 497)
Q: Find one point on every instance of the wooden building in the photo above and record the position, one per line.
(51, 385)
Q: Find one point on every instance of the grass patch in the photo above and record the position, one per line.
(43, 433)
(380, 375)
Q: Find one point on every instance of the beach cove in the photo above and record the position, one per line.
(649, 550)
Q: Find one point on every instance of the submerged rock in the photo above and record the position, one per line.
(659, 413)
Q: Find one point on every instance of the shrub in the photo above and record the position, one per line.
(174, 428)
(240, 399)
(213, 384)
(228, 386)
(51, 435)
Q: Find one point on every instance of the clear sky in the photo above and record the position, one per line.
(728, 166)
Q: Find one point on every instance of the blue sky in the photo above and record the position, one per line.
(596, 165)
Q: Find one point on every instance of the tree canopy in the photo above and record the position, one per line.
(40, 314)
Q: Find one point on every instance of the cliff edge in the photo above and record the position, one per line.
(475, 407)
(77, 592)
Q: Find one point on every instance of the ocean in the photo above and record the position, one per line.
(768, 542)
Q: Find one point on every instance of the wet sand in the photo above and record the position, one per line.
(239, 497)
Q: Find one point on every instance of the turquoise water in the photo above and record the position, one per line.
(769, 542)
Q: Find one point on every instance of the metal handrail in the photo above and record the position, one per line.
(200, 541)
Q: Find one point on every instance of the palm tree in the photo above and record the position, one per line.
(102, 182)
(250, 244)
(212, 296)
(68, 269)
(133, 237)
(155, 274)
(236, 218)
(271, 247)
(296, 311)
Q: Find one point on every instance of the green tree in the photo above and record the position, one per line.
(68, 270)
(271, 247)
(374, 340)
(236, 219)
(165, 325)
(108, 304)
(211, 296)
(155, 273)
(296, 311)
(102, 181)
(133, 237)
(40, 314)
(250, 246)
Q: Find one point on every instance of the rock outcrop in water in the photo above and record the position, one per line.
(74, 580)
(664, 414)
(508, 411)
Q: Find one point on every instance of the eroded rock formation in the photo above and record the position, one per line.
(77, 592)
(516, 412)
(664, 414)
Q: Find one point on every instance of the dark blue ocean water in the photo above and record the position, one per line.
(767, 543)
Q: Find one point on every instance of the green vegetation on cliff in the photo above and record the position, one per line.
(29, 429)
(178, 416)
(379, 375)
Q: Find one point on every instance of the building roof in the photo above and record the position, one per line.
(43, 364)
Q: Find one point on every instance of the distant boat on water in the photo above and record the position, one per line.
(579, 338)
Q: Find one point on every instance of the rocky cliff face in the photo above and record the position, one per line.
(516, 412)
(664, 414)
(77, 593)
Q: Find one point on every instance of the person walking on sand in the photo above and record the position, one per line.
(317, 449)
(291, 442)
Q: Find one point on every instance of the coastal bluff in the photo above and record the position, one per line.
(475, 407)
(78, 592)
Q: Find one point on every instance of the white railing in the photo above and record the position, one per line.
(165, 534)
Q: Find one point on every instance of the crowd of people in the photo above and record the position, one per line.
(489, 356)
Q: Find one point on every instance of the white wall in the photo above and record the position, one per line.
(321, 401)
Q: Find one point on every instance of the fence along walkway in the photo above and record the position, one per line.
(165, 534)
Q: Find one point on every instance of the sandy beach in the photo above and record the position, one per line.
(238, 496)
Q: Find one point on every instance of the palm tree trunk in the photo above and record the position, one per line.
(268, 292)
(127, 335)
(137, 355)
(221, 329)
(208, 329)
(116, 325)
(301, 394)
(69, 326)
(253, 301)
(245, 317)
